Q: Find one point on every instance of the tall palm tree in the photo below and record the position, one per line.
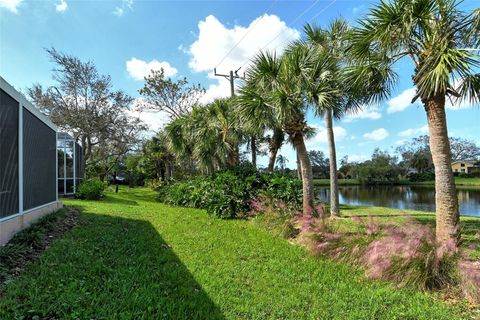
(443, 44)
(335, 97)
(277, 81)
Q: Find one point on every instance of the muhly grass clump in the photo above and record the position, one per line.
(405, 254)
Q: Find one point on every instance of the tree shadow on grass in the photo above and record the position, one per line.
(108, 267)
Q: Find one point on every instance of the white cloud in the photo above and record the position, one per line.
(62, 6)
(120, 10)
(155, 120)
(456, 105)
(365, 112)
(139, 69)
(320, 137)
(413, 131)
(219, 90)
(215, 40)
(402, 101)
(357, 157)
(11, 5)
(376, 135)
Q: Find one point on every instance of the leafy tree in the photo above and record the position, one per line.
(320, 164)
(416, 155)
(464, 149)
(176, 98)
(83, 103)
(381, 169)
(442, 42)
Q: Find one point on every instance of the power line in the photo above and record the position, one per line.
(295, 21)
(316, 15)
(292, 22)
(246, 33)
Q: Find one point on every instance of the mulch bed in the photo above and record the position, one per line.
(29, 244)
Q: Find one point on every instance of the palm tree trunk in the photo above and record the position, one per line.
(275, 144)
(334, 206)
(307, 175)
(253, 146)
(446, 201)
(273, 157)
(299, 168)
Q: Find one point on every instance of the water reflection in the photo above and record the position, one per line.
(401, 197)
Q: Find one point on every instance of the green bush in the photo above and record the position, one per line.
(92, 189)
(228, 194)
(286, 189)
(419, 177)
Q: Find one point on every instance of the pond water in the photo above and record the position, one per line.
(401, 197)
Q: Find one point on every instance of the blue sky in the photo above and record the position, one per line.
(125, 38)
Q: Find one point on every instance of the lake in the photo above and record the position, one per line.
(420, 198)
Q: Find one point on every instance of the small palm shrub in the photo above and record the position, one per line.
(92, 189)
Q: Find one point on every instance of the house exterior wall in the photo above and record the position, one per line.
(28, 168)
(462, 167)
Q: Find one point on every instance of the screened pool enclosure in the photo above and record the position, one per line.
(70, 164)
(28, 162)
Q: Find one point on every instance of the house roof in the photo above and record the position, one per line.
(471, 162)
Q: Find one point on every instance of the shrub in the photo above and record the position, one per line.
(156, 184)
(419, 177)
(228, 194)
(285, 189)
(92, 189)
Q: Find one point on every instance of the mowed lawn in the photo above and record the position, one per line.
(133, 258)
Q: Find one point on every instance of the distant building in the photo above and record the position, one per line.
(464, 166)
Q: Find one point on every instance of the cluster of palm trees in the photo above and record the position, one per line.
(337, 70)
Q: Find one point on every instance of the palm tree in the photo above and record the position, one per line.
(282, 161)
(335, 97)
(442, 42)
(224, 121)
(253, 108)
(277, 82)
(209, 135)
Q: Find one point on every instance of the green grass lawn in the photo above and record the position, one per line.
(458, 181)
(133, 258)
(341, 182)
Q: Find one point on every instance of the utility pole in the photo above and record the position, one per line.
(230, 77)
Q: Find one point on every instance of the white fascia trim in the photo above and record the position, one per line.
(25, 103)
(10, 217)
(39, 207)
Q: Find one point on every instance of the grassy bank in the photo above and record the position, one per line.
(470, 225)
(133, 258)
(463, 182)
(341, 182)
